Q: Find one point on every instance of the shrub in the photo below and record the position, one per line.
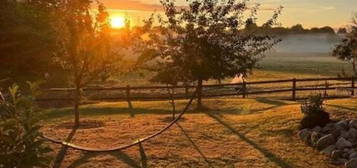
(21, 144)
(314, 112)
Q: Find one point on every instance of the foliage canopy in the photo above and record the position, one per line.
(206, 40)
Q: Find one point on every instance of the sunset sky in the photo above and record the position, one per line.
(310, 13)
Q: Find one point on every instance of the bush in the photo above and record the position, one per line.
(21, 145)
(314, 112)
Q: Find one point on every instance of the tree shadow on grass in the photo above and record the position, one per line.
(268, 154)
(117, 154)
(93, 111)
(100, 111)
(194, 145)
(61, 154)
(87, 155)
(274, 103)
(353, 109)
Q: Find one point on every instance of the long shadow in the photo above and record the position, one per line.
(144, 158)
(342, 107)
(275, 103)
(61, 154)
(98, 111)
(118, 154)
(271, 101)
(84, 159)
(194, 144)
(272, 157)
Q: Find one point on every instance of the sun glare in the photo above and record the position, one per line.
(117, 22)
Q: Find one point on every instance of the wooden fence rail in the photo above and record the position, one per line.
(244, 89)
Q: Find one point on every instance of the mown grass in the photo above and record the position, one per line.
(232, 133)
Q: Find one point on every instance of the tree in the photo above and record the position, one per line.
(27, 41)
(347, 49)
(206, 40)
(327, 29)
(342, 30)
(297, 28)
(84, 45)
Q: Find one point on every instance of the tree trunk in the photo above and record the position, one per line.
(199, 94)
(77, 99)
(354, 66)
(172, 100)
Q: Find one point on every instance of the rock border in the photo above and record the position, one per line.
(337, 140)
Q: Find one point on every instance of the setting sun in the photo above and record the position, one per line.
(117, 22)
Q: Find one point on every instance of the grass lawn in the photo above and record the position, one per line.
(233, 133)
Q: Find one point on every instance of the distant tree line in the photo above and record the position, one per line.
(296, 29)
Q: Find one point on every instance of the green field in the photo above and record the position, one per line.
(318, 64)
(271, 67)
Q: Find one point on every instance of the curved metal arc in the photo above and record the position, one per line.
(87, 149)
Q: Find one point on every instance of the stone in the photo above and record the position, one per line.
(345, 155)
(353, 124)
(351, 164)
(343, 123)
(345, 134)
(338, 162)
(328, 150)
(317, 129)
(336, 131)
(353, 155)
(336, 154)
(325, 141)
(343, 143)
(305, 135)
(315, 136)
(328, 128)
(353, 133)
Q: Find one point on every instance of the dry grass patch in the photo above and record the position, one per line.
(233, 133)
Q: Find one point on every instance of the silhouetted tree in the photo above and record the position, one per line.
(327, 29)
(342, 30)
(347, 49)
(207, 40)
(84, 45)
(297, 29)
(26, 41)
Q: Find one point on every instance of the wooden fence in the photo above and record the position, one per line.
(283, 89)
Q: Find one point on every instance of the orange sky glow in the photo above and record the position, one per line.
(316, 13)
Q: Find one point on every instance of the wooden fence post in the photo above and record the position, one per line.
(244, 88)
(186, 91)
(128, 99)
(353, 86)
(326, 88)
(294, 89)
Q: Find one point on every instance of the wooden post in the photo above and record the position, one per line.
(294, 89)
(244, 88)
(128, 99)
(326, 88)
(186, 91)
(353, 86)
